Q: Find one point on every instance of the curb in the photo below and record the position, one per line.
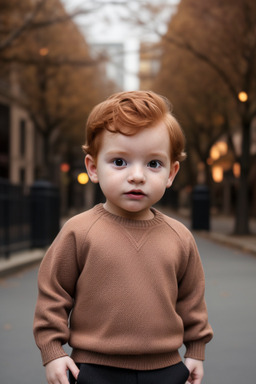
(20, 260)
(242, 243)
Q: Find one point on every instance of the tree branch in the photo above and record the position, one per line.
(18, 31)
(203, 57)
(51, 62)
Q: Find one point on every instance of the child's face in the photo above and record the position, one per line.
(133, 171)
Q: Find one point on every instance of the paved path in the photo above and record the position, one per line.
(19, 357)
(230, 293)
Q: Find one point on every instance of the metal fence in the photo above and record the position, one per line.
(20, 215)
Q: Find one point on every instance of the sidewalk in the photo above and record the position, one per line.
(221, 231)
(19, 260)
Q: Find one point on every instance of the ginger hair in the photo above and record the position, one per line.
(129, 112)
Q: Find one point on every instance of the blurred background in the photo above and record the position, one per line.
(60, 58)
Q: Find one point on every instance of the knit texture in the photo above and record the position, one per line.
(121, 292)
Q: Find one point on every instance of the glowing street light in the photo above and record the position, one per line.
(44, 51)
(236, 170)
(217, 174)
(83, 178)
(64, 167)
(242, 96)
(219, 149)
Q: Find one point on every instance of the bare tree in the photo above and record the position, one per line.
(222, 36)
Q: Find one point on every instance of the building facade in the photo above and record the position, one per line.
(17, 138)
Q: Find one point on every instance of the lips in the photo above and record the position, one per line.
(135, 193)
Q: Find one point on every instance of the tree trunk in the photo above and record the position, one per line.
(242, 209)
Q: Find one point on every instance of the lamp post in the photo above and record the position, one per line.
(242, 204)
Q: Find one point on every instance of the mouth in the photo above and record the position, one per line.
(135, 193)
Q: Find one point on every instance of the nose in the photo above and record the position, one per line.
(136, 175)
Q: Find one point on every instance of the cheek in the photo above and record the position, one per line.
(108, 174)
(109, 178)
(161, 180)
(158, 186)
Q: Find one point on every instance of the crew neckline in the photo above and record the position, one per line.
(158, 218)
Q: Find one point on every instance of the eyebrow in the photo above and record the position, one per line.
(153, 155)
(157, 154)
(117, 152)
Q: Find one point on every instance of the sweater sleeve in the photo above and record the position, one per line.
(57, 278)
(191, 305)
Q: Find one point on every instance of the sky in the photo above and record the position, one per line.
(106, 25)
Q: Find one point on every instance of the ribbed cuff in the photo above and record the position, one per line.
(51, 352)
(195, 350)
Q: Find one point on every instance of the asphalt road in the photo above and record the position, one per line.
(231, 300)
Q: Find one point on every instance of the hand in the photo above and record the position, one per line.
(56, 370)
(196, 370)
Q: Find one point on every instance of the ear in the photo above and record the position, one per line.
(173, 172)
(91, 168)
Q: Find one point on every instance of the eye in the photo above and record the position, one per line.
(154, 164)
(119, 162)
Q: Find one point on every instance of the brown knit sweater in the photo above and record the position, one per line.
(123, 293)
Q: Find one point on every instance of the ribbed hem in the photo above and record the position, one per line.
(195, 350)
(52, 352)
(138, 362)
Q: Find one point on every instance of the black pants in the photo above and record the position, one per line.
(99, 374)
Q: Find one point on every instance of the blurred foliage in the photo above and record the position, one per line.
(208, 57)
(51, 72)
